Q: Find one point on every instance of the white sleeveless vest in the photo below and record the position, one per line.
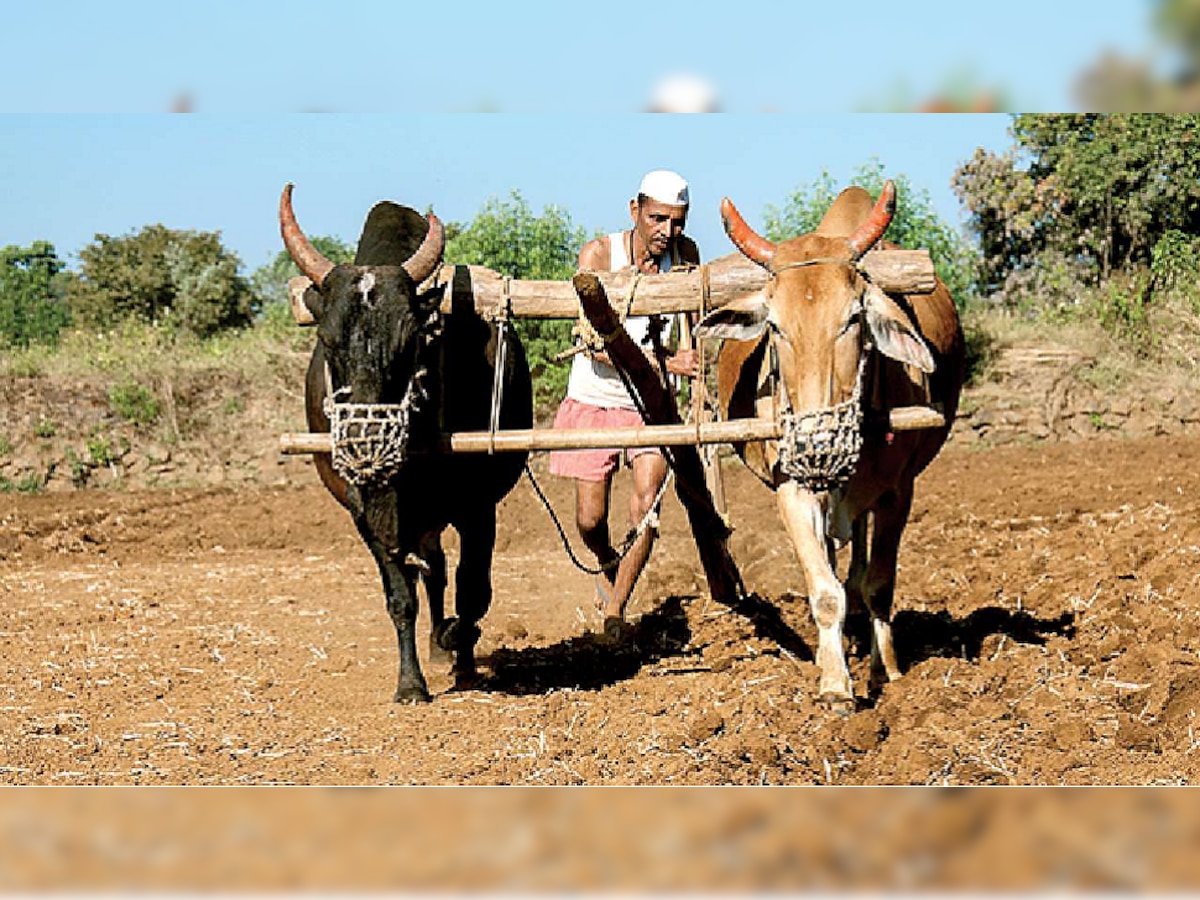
(597, 383)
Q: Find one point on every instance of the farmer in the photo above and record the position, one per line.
(597, 398)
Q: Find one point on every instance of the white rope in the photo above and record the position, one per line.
(820, 449)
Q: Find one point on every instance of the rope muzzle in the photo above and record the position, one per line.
(370, 440)
(819, 449)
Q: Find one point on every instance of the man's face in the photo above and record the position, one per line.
(658, 224)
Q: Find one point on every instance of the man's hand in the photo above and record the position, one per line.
(685, 363)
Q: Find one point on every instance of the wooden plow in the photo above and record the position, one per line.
(697, 290)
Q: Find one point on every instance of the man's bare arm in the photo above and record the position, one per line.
(596, 255)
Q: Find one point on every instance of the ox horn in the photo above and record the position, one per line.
(308, 258)
(421, 264)
(864, 237)
(753, 245)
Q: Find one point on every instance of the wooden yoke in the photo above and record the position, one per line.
(715, 283)
(708, 526)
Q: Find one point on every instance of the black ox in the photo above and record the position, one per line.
(382, 342)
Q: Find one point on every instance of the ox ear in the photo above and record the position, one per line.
(743, 319)
(893, 331)
(304, 300)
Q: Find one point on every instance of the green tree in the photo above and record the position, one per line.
(915, 224)
(1080, 200)
(31, 304)
(269, 281)
(507, 236)
(184, 279)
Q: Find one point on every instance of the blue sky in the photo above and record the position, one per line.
(65, 178)
(547, 56)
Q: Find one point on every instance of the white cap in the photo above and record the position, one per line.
(665, 187)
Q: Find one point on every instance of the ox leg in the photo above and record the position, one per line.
(400, 588)
(472, 594)
(891, 515)
(434, 578)
(805, 516)
(858, 625)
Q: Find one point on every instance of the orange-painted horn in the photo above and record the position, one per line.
(871, 230)
(308, 258)
(753, 245)
(421, 264)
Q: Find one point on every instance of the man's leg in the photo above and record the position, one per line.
(591, 518)
(649, 472)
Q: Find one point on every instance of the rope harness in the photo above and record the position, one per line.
(501, 317)
(650, 520)
(586, 334)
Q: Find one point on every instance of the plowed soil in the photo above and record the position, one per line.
(1047, 621)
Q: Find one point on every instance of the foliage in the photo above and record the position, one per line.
(1175, 266)
(100, 450)
(133, 402)
(30, 483)
(915, 224)
(31, 303)
(1088, 215)
(269, 281)
(185, 280)
(507, 236)
(6, 446)
(79, 469)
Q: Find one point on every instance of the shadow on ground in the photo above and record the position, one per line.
(592, 661)
(924, 635)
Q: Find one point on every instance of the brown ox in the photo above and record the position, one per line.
(829, 349)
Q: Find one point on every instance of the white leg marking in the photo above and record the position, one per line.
(805, 516)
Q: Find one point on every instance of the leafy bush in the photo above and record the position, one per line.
(183, 279)
(100, 450)
(1175, 266)
(79, 469)
(134, 403)
(30, 483)
(32, 310)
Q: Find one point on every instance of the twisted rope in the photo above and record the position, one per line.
(370, 440)
(587, 335)
(820, 449)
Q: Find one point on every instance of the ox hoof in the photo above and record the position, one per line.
(455, 635)
(412, 694)
(617, 630)
(877, 682)
(467, 681)
(839, 704)
(438, 654)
